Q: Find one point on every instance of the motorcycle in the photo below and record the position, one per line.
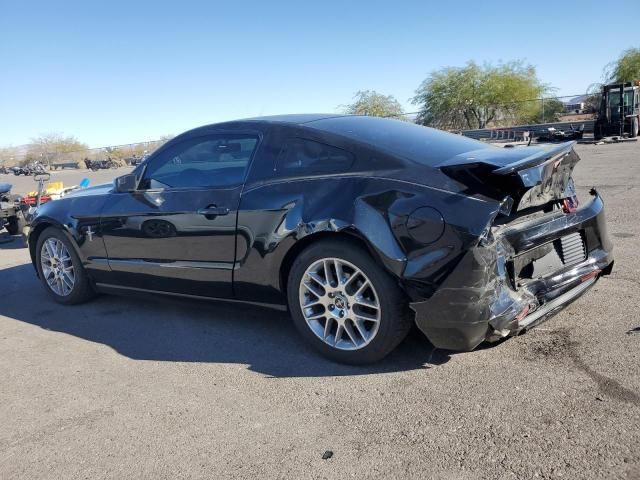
(35, 168)
(95, 165)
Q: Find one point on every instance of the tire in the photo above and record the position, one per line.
(372, 340)
(634, 128)
(15, 225)
(81, 291)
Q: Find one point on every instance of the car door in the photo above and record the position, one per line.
(176, 231)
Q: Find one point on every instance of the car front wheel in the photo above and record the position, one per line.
(346, 305)
(60, 268)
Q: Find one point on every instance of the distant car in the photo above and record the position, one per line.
(360, 225)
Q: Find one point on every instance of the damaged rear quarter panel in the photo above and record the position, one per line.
(273, 217)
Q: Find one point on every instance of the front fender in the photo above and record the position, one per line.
(79, 219)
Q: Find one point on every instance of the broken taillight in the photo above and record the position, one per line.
(570, 204)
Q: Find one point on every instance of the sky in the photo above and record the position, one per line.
(115, 72)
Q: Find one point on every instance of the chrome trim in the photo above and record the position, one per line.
(552, 305)
(172, 264)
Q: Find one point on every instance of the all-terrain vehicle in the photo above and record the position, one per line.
(11, 215)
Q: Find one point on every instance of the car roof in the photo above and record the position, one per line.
(292, 118)
(297, 118)
(287, 119)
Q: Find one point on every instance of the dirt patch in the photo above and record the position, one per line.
(557, 345)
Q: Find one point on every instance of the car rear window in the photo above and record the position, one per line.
(424, 145)
(301, 157)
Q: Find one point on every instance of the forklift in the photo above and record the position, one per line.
(619, 113)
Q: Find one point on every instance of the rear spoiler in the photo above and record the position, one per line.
(536, 159)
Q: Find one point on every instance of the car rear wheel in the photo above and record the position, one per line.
(345, 304)
(60, 268)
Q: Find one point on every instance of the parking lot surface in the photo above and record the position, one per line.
(155, 388)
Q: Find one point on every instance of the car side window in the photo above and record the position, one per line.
(301, 156)
(210, 161)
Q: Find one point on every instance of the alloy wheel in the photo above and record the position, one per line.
(340, 304)
(57, 267)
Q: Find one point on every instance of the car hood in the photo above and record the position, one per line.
(101, 189)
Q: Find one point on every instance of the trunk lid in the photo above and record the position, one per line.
(530, 176)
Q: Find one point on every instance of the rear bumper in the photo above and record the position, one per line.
(479, 301)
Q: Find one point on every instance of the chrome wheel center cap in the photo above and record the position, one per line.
(340, 303)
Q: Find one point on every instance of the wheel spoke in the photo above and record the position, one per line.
(317, 278)
(68, 281)
(50, 247)
(339, 272)
(312, 303)
(366, 303)
(353, 276)
(361, 289)
(352, 335)
(339, 332)
(360, 327)
(316, 316)
(327, 327)
(313, 290)
(366, 317)
(327, 272)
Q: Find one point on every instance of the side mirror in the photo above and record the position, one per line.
(125, 183)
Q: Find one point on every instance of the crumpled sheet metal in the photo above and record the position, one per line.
(476, 294)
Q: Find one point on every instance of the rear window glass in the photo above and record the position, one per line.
(301, 156)
(427, 146)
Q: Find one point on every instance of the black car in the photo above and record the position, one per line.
(361, 225)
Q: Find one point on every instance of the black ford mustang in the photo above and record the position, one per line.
(361, 225)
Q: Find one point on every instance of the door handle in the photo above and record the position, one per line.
(213, 211)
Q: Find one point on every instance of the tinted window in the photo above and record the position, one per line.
(211, 161)
(301, 156)
(404, 139)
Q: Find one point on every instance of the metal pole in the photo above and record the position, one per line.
(622, 110)
(542, 109)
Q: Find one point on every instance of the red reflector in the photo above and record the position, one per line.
(570, 205)
(523, 313)
(590, 275)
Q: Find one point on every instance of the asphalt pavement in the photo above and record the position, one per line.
(155, 388)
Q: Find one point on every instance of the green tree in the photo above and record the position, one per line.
(372, 103)
(477, 96)
(626, 68)
(544, 110)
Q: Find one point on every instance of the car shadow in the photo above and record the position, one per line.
(176, 330)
